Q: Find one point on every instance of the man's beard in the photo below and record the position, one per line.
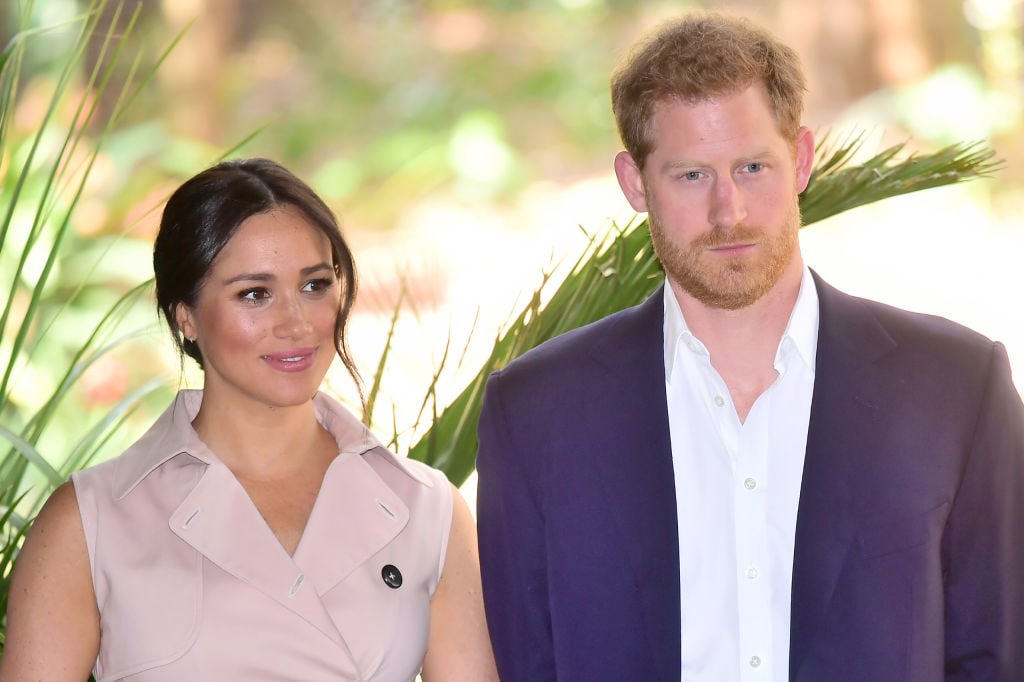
(727, 283)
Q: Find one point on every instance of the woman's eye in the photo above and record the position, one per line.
(254, 295)
(315, 285)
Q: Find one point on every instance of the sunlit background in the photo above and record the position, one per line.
(467, 146)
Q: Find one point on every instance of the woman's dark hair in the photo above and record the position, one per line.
(205, 212)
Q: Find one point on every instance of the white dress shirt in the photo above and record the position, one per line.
(737, 489)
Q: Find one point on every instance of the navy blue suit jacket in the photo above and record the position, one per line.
(909, 559)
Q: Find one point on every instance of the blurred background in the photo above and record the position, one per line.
(466, 146)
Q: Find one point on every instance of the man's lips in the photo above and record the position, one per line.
(732, 249)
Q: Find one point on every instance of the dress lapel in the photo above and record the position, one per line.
(846, 424)
(219, 520)
(355, 515)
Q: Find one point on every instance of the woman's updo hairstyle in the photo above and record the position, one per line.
(205, 212)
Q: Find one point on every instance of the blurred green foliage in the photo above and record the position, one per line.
(70, 376)
(73, 304)
(381, 104)
(103, 112)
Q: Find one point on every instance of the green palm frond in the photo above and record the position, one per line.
(838, 186)
(618, 269)
(615, 271)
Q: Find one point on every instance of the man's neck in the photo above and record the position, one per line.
(743, 343)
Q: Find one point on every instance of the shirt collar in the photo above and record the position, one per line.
(802, 328)
(172, 434)
(801, 331)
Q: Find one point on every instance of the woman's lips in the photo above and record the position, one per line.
(292, 360)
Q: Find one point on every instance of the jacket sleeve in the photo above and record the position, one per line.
(983, 547)
(510, 521)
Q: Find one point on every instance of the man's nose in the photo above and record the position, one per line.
(728, 207)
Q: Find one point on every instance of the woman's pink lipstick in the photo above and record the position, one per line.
(292, 360)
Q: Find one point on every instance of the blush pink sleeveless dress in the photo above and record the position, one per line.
(192, 584)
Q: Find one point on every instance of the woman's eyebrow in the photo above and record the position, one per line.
(267, 277)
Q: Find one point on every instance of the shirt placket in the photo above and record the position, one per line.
(752, 564)
(750, 530)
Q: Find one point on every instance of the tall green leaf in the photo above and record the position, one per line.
(43, 183)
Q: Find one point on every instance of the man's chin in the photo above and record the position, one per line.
(731, 289)
(734, 300)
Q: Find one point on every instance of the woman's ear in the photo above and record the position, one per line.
(183, 318)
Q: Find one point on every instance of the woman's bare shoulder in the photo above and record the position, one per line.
(52, 618)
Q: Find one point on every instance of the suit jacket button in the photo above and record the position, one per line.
(392, 576)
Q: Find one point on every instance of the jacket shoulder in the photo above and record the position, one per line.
(601, 338)
(917, 346)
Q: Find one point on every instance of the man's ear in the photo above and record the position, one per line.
(631, 180)
(183, 318)
(804, 157)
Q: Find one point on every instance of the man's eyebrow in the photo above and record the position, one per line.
(693, 163)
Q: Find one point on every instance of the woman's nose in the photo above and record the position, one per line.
(292, 321)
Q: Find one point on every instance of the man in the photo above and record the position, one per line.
(750, 476)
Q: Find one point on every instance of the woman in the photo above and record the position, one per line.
(257, 531)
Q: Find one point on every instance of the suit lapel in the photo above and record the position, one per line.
(847, 413)
(637, 473)
(846, 422)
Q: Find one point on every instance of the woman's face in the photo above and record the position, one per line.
(264, 318)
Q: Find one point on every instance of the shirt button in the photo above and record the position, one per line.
(692, 346)
(751, 573)
(749, 484)
(755, 661)
(719, 400)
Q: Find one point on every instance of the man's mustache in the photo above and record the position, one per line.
(733, 235)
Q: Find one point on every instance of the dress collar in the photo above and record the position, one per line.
(172, 434)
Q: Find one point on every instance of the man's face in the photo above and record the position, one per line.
(720, 189)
